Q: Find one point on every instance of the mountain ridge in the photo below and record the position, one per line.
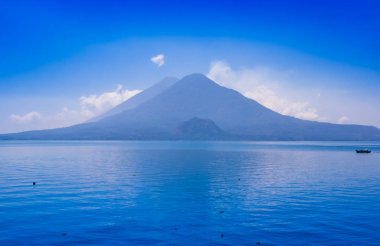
(139, 98)
(157, 117)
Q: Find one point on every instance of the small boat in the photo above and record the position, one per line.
(363, 151)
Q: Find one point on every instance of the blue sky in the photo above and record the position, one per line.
(312, 59)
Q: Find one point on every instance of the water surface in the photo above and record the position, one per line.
(189, 193)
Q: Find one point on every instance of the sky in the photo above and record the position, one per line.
(63, 62)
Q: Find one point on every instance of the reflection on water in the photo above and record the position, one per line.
(138, 193)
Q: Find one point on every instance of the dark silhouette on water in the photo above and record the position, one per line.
(363, 151)
(34, 183)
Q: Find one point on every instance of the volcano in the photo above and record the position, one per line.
(196, 107)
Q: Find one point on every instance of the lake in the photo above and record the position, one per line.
(189, 193)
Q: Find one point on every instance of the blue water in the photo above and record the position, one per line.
(189, 193)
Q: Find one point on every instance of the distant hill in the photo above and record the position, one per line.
(202, 129)
(195, 107)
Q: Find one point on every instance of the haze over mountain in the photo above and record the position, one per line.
(195, 107)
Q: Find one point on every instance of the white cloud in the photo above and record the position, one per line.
(96, 104)
(93, 105)
(88, 107)
(262, 84)
(343, 120)
(159, 59)
(28, 117)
